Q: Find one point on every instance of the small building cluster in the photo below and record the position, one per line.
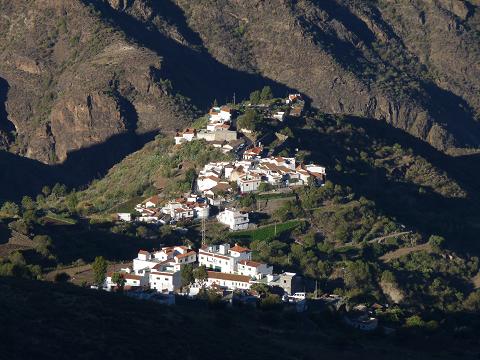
(217, 132)
(188, 207)
(297, 105)
(254, 170)
(228, 268)
(159, 270)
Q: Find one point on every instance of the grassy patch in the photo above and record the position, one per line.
(266, 232)
(127, 206)
(59, 219)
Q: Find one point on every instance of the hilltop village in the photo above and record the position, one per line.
(252, 170)
(216, 195)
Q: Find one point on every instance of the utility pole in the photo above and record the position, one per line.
(204, 228)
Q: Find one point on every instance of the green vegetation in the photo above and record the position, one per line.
(265, 233)
(100, 270)
(158, 165)
(250, 120)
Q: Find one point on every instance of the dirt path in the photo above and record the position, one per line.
(404, 251)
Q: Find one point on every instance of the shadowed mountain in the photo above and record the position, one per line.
(416, 206)
(27, 177)
(193, 71)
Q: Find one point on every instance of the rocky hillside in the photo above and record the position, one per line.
(70, 80)
(75, 73)
(411, 63)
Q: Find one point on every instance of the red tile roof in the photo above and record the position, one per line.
(250, 263)
(225, 276)
(181, 256)
(240, 249)
(256, 150)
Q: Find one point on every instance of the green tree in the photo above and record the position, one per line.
(266, 93)
(59, 190)
(119, 280)
(40, 200)
(472, 302)
(187, 275)
(271, 302)
(201, 275)
(388, 277)
(28, 203)
(261, 289)
(43, 244)
(414, 321)
(72, 202)
(190, 176)
(436, 242)
(357, 275)
(250, 120)
(264, 186)
(20, 226)
(99, 270)
(247, 200)
(30, 217)
(10, 209)
(255, 97)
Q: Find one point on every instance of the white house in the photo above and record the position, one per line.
(293, 98)
(225, 113)
(131, 280)
(165, 281)
(183, 213)
(229, 281)
(253, 153)
(152, 202)
(249, 182)
(189, 134)
(289, 163)
(207, 182)
(223, 258)
(214, 114)
(279, 115)
(253, 269)
(179, 138)
(127, 217)
(217, 257)
(162, 268)
(234, 219)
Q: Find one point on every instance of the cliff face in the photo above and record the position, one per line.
(78, 72)
(74, 81)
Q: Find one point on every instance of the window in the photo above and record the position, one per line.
(166, 279)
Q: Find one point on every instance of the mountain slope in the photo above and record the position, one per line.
(71, 80)
(75, 73)
(349, 58)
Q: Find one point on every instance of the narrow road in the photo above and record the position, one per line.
(377, 239)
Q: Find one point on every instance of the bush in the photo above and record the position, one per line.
(271, 302)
